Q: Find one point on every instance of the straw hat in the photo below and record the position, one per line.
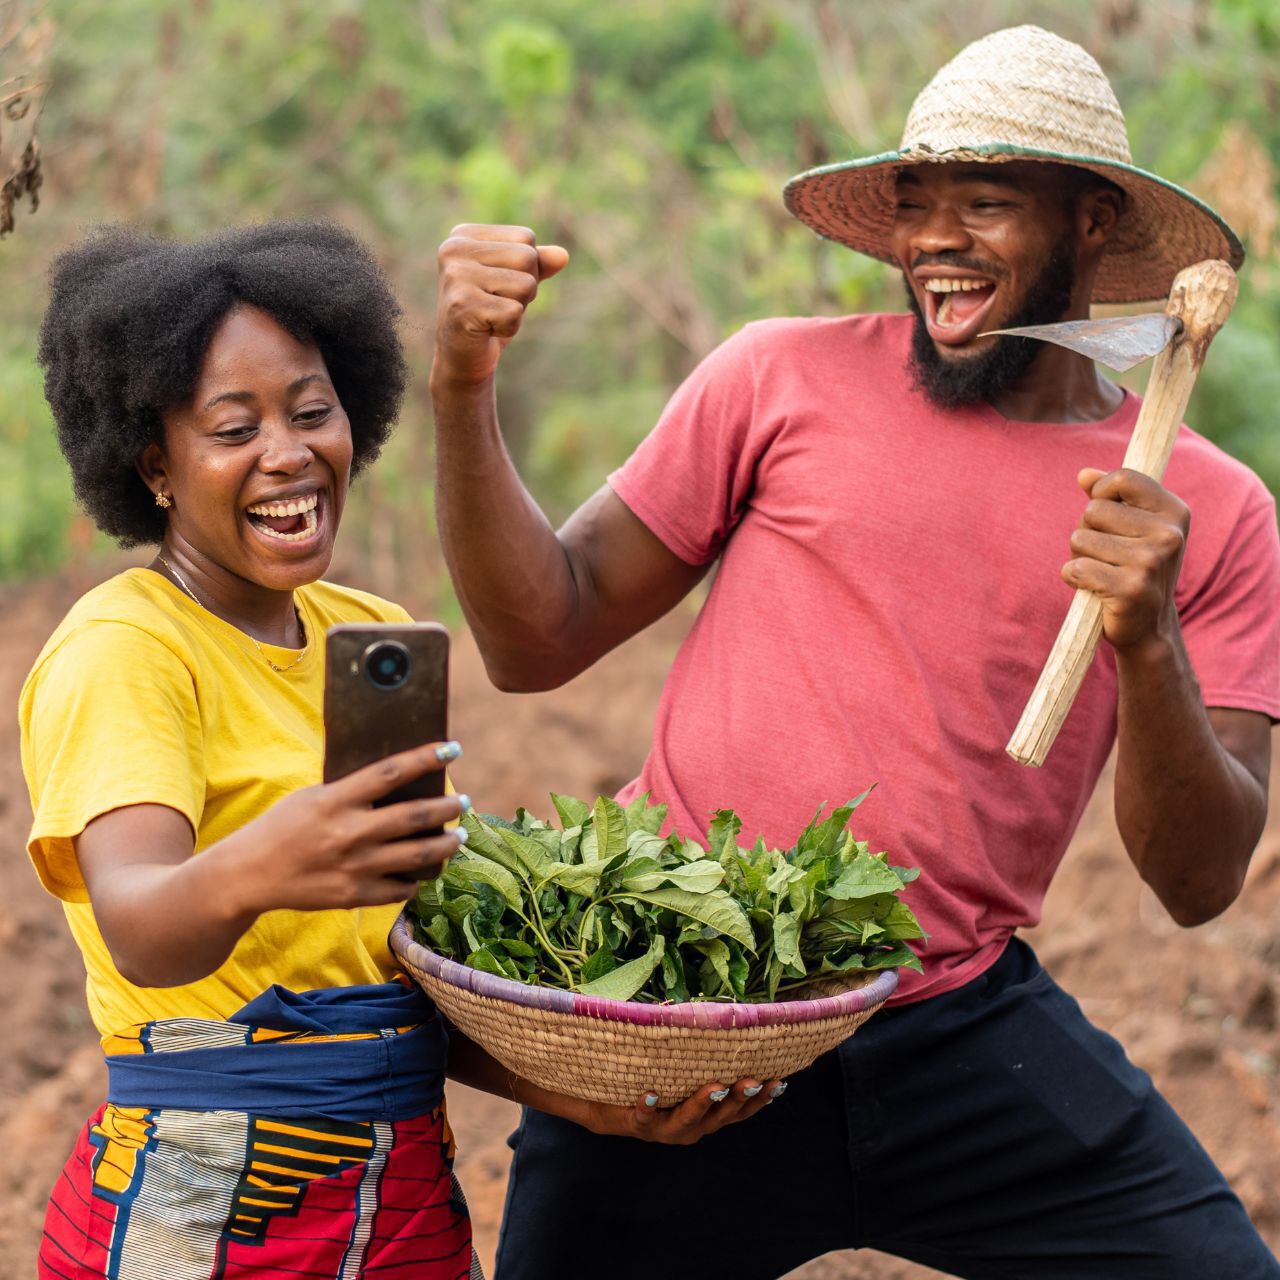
(1024, 94)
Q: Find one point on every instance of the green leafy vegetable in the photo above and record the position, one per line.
(609, 907)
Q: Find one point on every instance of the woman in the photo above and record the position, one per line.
(275, 1090)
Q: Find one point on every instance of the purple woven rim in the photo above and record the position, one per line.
(694, 1013)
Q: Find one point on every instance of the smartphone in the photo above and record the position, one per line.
(386, 689)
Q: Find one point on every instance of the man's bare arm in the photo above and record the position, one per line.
(1191, 783)
(1190, 790)
(543, 605)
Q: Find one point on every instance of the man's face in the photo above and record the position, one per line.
(982, 246)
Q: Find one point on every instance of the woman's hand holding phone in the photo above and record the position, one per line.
(169, 918)
(334, 846)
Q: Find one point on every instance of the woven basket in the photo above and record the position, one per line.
(614, 1051)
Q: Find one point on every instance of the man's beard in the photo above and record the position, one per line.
(951, 384)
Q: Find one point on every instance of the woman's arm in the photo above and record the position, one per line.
(169, 918)
(711, 1108)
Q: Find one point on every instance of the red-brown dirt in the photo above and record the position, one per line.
(1197, 1009)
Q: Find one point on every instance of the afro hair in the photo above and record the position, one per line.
(130, 317)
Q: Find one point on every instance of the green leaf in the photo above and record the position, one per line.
(440, 932)
(773, 976)
(577, 877)
(609, 824)
(643, 816)
(459, 908)
(570, 846)
(782, 875)
(485, 841)
(899, 956)
(484, 960)
(622, 924)
(531, 856)
(472, 869)
(600, 962)
(722, 834)
(717, 953)
(573, 813)
(786, 938)
(739, 970)
(469, 933)
(687, 850)
(674, 977)
(489, 908)
(517, 947)
(900, 922)
(623, 982)
(643, 844)
(716, 908)
(697, 877)
(863, 877)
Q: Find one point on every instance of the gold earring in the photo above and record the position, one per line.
(163, 499)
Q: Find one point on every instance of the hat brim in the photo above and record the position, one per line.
(1162, 230)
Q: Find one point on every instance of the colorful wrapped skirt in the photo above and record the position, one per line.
(305, 1136)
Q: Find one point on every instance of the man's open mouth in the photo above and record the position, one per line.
(956, 307)
(294, 520)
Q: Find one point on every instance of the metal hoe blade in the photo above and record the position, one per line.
(1119, 342)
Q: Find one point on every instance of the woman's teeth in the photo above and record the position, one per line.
(305, 532)
(268, 511)
(295, 507)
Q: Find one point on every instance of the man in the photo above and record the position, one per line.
(888, 499)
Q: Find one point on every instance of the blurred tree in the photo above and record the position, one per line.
(651, 137)
(25, 38)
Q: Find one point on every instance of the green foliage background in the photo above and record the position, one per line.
(651, 137)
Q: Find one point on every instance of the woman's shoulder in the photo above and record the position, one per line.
(334, 603)
(122, 631)
(131, 609)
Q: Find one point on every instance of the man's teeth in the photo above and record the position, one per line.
(948, 289)
(954, 286)
(305, 532)
(292, 508)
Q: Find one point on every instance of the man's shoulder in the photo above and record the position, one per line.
(1203, 469)
(869, 329)
(816, 347)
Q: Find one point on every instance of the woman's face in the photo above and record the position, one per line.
(257, 462)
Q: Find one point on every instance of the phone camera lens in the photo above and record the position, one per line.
(386, 664)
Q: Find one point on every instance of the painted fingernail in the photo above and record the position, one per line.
(448, 751)
(778, 1090)
(650, 1099)
(460, 834)
(464, 803)
(719, 1095)
(752, 1091)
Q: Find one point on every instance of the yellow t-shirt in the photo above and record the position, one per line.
(143, 697)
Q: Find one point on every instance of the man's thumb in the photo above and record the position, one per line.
(552, 260)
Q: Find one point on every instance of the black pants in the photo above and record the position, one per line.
(991, 1132)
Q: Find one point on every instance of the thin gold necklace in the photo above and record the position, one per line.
(306, 639)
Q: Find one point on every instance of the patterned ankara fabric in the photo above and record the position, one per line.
(296, 1184)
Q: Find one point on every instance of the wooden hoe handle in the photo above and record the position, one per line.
(1201, 298)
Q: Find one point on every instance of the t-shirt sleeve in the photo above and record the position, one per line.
(108, 719)
(1231, 626)
(690, 478)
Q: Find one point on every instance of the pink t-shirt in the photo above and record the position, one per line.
(888, 590)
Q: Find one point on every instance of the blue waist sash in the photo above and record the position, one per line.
(385, 1076)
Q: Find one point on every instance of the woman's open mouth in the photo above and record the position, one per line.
(956, 308)
(291, 521)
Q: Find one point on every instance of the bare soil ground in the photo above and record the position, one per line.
(1199, 1009)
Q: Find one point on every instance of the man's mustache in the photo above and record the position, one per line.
(959, 260)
